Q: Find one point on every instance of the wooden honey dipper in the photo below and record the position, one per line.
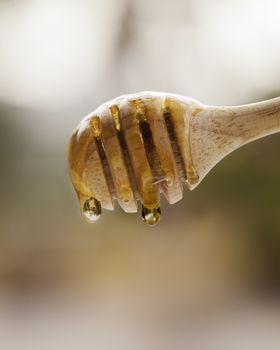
(138, 146)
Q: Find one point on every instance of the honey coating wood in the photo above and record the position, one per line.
(169, 179)
(180, 119)
(111, 127)
(86, 170)
(136, 147)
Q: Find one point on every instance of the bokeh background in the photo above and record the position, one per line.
(208, 276)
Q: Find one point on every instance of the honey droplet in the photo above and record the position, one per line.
(151, 215)
(92, 209)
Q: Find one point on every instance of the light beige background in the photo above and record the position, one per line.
(208, 276)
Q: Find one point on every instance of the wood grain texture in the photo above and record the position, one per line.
(218, 131)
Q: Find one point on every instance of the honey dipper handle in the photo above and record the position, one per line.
(254, 121)
(217, 131)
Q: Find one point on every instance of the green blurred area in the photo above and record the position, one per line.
(222, 236)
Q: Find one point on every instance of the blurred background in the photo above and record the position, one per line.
(208, 276)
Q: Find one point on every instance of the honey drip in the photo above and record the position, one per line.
(91, 209)
(151, 215)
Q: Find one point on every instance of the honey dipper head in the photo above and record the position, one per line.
(132, 148)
